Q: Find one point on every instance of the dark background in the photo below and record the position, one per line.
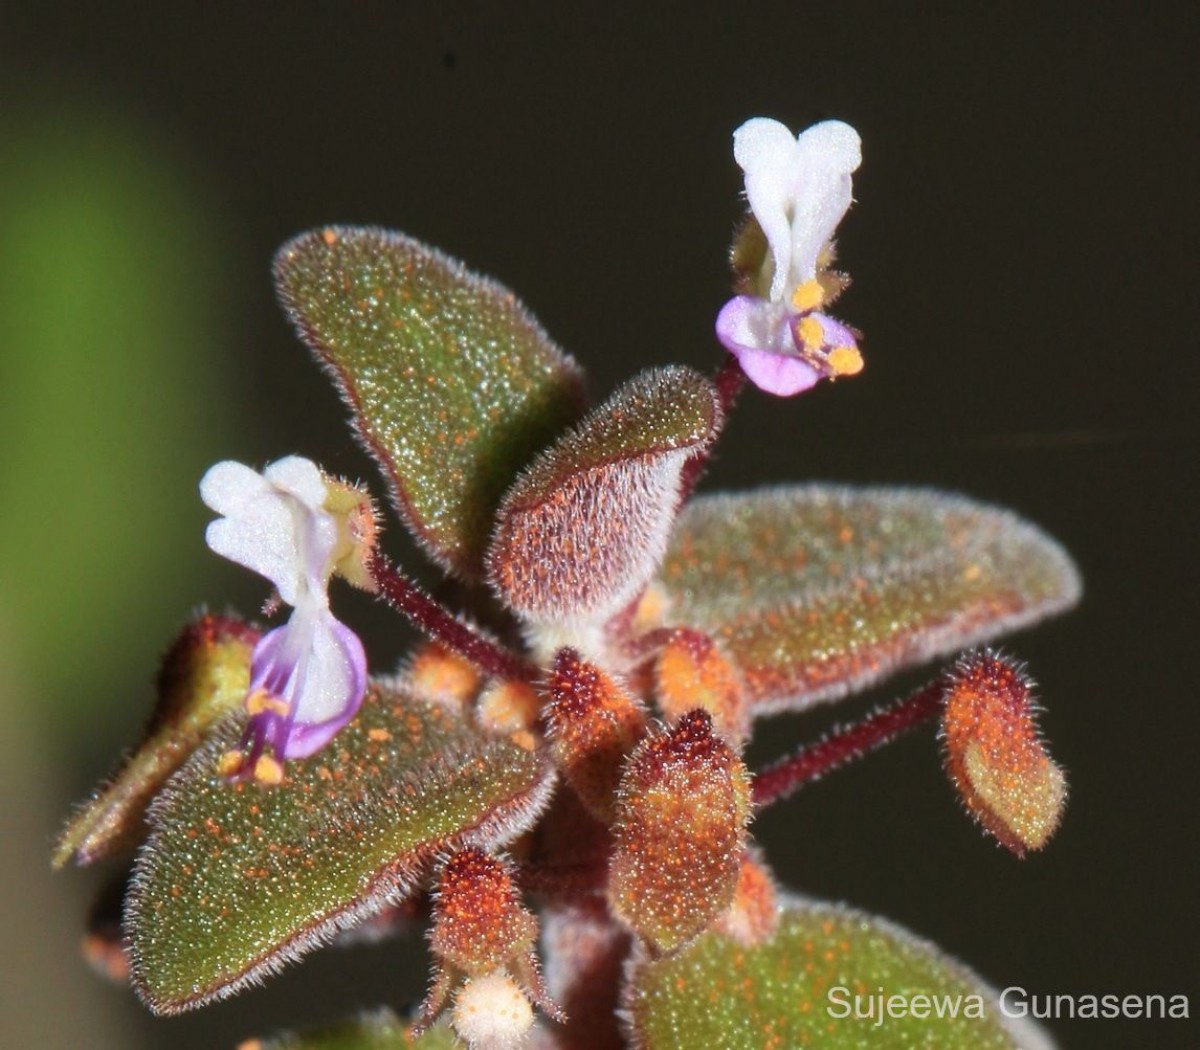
(1023, 253)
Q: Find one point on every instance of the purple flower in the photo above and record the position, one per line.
(307, 678)
(798, 190)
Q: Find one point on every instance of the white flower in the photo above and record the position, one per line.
(307, 678)
(798, 189)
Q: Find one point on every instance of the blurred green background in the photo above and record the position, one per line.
(1024, 263)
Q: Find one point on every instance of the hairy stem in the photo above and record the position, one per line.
(729, 381)
(442, 626)
(562, 882)
(843, 745)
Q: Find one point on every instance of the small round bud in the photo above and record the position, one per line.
(510, 709)
(439, 674)
(491, 1013)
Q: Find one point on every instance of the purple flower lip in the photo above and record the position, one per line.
(782, 351)
(307, 680)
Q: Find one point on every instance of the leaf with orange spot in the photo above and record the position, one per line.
(721, 993)
(816, 591)
(453, 385)
(238, 879)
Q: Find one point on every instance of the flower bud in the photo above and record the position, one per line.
(593, 725)
(482, 931)
(995, 756)
(479, 922)
(692, 672)
(492, 1013)
(682, 809)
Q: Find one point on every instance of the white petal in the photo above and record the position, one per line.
(274, 524)
(760, 140)
(227, 487)
(767, 153)
(826, 154)
(835, 142)
(263, 539)
(301, 478)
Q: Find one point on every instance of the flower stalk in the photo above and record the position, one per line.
(438, 623)
(787, 776)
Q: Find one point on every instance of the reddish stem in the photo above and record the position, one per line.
(442, 626)
(562, 882)
(845, 744)
(729, 381)
(648, 644)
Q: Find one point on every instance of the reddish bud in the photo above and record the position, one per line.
(593, 724)
(439, 674)
(682, 808)
(511, 709)
(994, 754)
(480, 927)
(478, 918)
(692, 672)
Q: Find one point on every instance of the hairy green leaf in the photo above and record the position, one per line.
(816, 591)
(377, 1030)
(780, 993)
(452, 384)
(238, 878)
(581, 531)
(204, 677)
